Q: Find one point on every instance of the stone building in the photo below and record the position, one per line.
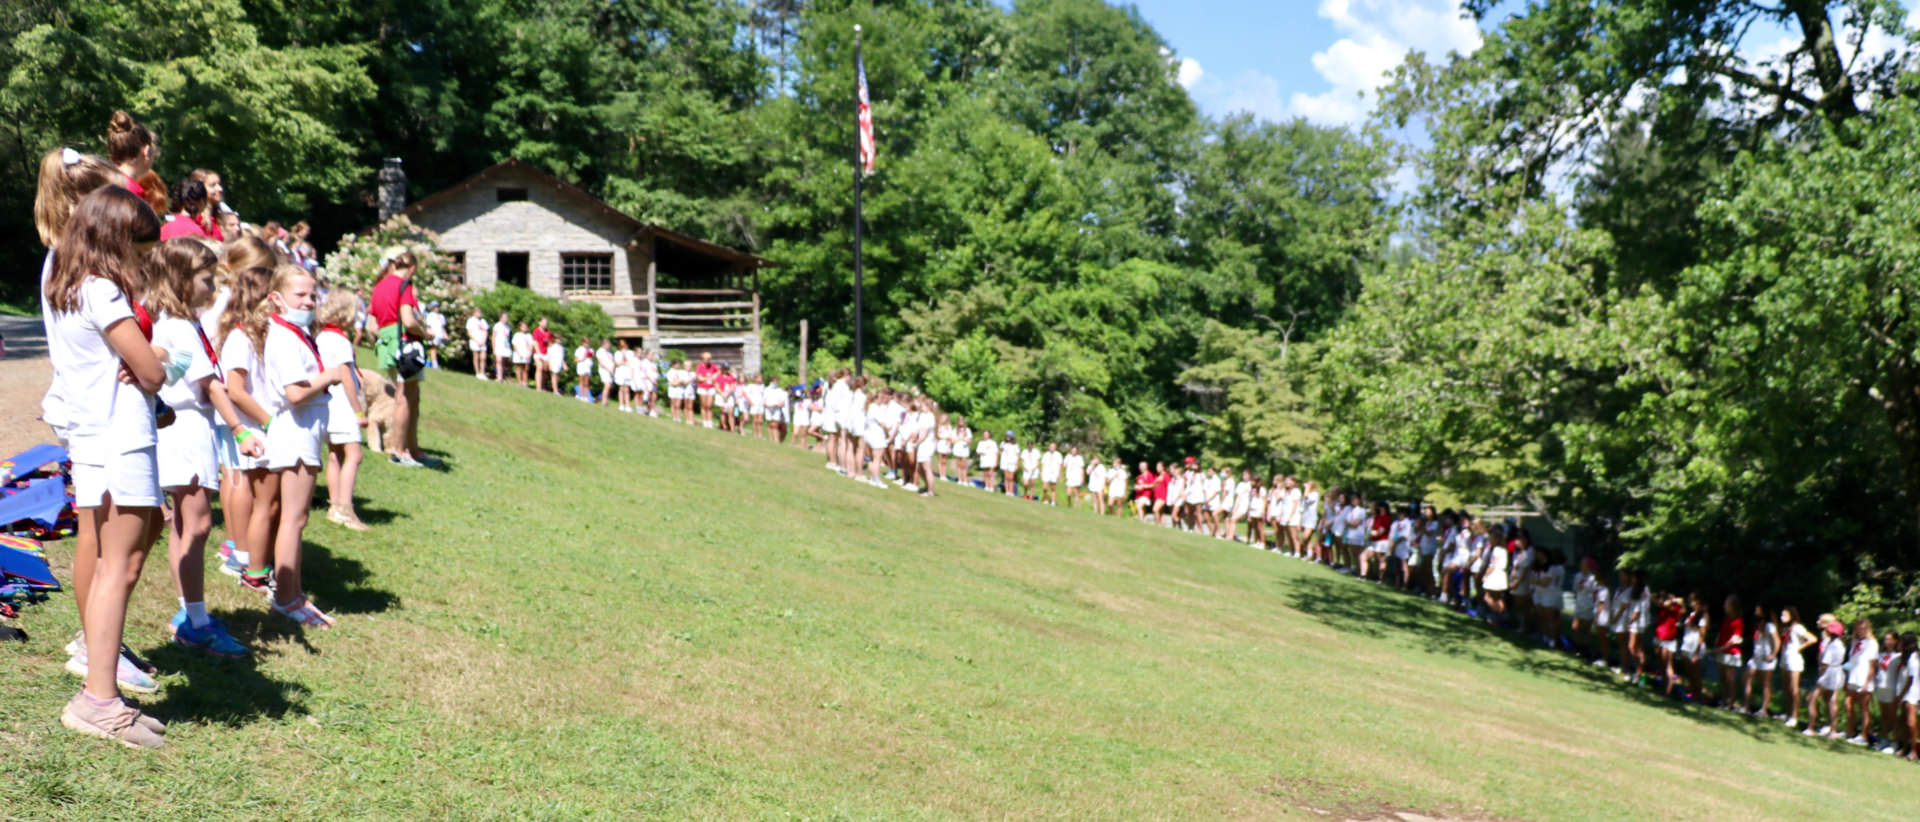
(515, 223)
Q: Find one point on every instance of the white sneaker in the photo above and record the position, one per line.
(1789, 722)
(130, 678)
(1809, 732)
(1860, 740)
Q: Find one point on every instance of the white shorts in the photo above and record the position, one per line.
(1050, 477)
(924, 453)
(943, 448)
(342, 426)
(1494, 581)
(1732, 662)
(778, 414)
(1857, 680)
(960, 451)
(703, 392)
(1668, 645)
(1029, 474)
(1761, 665)
(1380, 546)
(756, 410)
(521, 359)
(477, 345)
(583, 368)
(1076, 480)
(1832, 679)
(876, 437)
(606, 377)
(826, 423)
(185, 453)
(1795, 662)
(622, 375)
(989, 461)
(294, 439)
(132, 479)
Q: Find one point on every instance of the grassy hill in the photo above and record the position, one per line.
(595, 615)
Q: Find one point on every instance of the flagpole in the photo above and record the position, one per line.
(859, 284)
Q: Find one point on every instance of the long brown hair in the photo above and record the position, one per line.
(171, 267)
(126, 137)
(98, 242)
(250, 252)
(63, 183)
(247, 307)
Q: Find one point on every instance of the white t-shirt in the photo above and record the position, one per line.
(1833, 652)
(603, 358)
(1029, 458)
(335, 349)
(237, 354)
(1097, 477)
(476, 329)
(436, 323)
(1076, 466)
(1242, 494)
(502, 333)
(1050, 463)
(649, 373)
(288, 361)
(184, 394)
(522, 345)
(750, 394)
(1399, 533)
(989, 451)
(104, 416)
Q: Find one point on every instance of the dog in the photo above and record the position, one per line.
(379, 393)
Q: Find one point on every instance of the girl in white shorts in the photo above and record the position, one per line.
(1832, 679)
(1863, 661)
(962, 449)
(623, 376)
(603, 368)
(1795, 639)
(296, 394)
(583, 370)
(1761, 662)
(346, 409)
(1117, 481)
(94, 329)
(522, 354)
(179, 285)
(556, 362)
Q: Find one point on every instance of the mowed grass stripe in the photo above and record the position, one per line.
(594, 615)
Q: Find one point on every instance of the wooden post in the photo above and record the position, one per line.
(803, 352)
(653, 299)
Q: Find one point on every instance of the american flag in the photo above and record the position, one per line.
(866, 117)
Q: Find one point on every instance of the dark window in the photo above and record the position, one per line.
(512, 267)
(459, 269)
(586, 272)
(511, 195)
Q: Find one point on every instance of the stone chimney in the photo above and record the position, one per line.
(393, 189)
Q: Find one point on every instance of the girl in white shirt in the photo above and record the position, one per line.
(502, 347)
(249, 512)
(522, 354)
(773, 396)
(179, 277)
(1309, 542)
(556, 364)
(583, 370)
(1831, 681)
(989, 459)
(96, 332)
(603, 368)
(1239, 501)
(1795, 639)
(296, 394)
(346, 409)
(1764, 658)
(623, 376)
(962, 449)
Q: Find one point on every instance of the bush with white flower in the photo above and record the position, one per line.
(355, 263)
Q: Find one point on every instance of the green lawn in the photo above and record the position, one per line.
(596, 615)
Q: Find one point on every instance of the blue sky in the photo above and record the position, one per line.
(1318, 59)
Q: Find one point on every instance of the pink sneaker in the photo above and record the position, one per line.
(115, 720)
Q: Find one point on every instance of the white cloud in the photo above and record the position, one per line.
(1189, 72)
(1374, 36)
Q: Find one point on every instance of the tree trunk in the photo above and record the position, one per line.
(1836, 88)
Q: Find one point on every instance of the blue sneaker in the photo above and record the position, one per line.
(212, 639)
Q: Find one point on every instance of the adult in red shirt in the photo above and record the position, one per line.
(541, 339)
(704, 376)
(395, 307)
(189, 203)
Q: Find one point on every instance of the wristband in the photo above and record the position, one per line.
(241, 435)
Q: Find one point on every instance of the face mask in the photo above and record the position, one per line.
(300, 317)
(177, 364)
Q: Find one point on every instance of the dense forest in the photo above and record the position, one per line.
(1650, 281)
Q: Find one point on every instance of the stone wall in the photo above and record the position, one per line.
(543, 226)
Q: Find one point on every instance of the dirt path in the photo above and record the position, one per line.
(24, 373)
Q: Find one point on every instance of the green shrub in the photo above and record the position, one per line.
(569, 322)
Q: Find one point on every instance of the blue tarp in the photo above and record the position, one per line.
(30, 460)
(40, 502)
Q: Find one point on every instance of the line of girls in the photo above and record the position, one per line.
(166, 391)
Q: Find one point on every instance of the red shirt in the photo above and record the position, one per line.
(1382, 524)
(704, 372)
(183, 226)
(388, 295)
(1668, 628)
(137, 189)
(1728, 630)
(1143, 485)
(1160, 486)
(541, 338)
(726, 382)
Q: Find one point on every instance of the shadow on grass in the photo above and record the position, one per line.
(1355, 607)
(341, 585)
(229, 692)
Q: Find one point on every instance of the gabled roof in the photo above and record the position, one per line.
(592, 203)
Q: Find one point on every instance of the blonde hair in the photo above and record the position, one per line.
(338, 308)
(395, 256)
(284, 275)
(66, 176)
(126, 137)
(249, 252)
(170, 269)
(245, 307)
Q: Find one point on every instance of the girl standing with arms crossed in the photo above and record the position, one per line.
(1795, 639)
(105, 372)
